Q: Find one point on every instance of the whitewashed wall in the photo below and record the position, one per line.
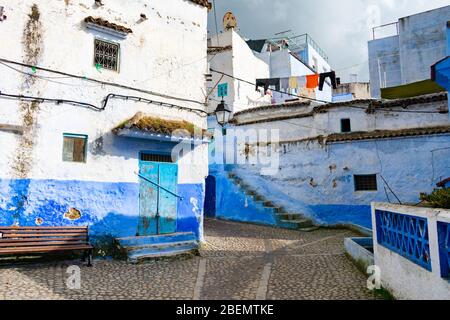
(164, 54)
(239, 62)
(303, 127)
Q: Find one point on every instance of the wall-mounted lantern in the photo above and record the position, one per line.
(223, 113)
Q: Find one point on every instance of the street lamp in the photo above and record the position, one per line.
(223, 113)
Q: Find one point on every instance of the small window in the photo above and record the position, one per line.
(346, 125)
(106, 55)
(164, 158)
(366, 182)
(74, 148)
(315, 65)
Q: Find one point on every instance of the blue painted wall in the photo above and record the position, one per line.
(110, 209)
(190, 209)
(233, 204)
(318, 181)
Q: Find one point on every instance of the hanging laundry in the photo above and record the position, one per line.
(293, 84)
(284, 84)
(312, 81)
(301, 81)
(331, 75)
(275, 82)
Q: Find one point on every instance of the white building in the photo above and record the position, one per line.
(229, 53)
(73, 75)
(415, 44)
(240, 63)
(294, 57)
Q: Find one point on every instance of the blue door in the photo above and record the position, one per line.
(157, 206)
(210, 197)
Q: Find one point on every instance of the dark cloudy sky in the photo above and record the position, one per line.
(341, 27)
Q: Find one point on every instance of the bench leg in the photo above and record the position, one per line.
(89, 254)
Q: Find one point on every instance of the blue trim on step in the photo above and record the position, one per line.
(150, 240)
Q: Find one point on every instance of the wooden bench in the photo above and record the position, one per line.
(35, 240)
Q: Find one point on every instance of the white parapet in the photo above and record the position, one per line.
(411, 250)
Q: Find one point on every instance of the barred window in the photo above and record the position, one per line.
(366, 182)
(106, 55)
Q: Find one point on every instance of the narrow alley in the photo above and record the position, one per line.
(239, 261)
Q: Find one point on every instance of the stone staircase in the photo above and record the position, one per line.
(137, 249)
(283, 219)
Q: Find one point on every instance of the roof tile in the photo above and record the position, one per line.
(204, 3)
(104, 23)
(383, 134)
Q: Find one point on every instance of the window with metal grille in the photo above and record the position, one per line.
(74, 148)
(106, 55)
(156, 157)
(346, 125)
(366, 182)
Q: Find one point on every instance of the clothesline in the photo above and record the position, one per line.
(296, 84)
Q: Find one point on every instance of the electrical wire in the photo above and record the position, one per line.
(328, 102)
(254, 84)
(101, 82)
(215, 20)
(352, 66)
(399, 111)
(104, 103)
(49, 79)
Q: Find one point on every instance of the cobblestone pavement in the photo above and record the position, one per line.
(239, 261)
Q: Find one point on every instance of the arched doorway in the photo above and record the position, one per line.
(210, 197)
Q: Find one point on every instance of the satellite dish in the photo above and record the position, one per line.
(229, 21)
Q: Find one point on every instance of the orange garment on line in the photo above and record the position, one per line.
(312, 81)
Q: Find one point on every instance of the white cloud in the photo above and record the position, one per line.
(341, 28)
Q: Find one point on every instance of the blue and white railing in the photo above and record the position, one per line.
(444, 247)
(412, 250)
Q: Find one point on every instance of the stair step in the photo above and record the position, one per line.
(156, 239)
(295, 221)
(166, 252)
(302, 223)
(160, 246)
(310, 229)
(289, 216)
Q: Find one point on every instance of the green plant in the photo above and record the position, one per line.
(383, 294)
(439, 198)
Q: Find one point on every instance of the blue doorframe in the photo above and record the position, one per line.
(157, 206)
(210, 197)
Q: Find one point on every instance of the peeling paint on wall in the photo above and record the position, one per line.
(23, 159)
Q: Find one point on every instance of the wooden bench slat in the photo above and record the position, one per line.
(37, 239)
(31, 235)
(43, 231)
(25, 250)
(42, 243)
(32, 240)
(37, 227)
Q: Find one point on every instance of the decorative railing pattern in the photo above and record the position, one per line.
(444, 248)
(405, 235)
